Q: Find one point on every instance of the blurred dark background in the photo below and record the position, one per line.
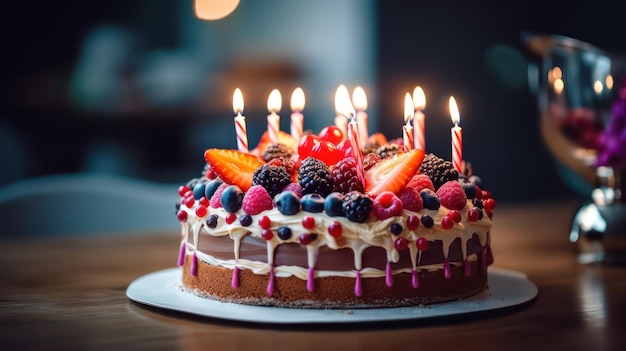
(141, 88)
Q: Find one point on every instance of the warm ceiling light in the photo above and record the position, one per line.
(215, 9)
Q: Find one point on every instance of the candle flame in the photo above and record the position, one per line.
(408, 108)
(343, 106)
(297, 100)
(214, 9)
(359, 98)
(274, 102)
(419, 99)
(454, 111)
(238, 101)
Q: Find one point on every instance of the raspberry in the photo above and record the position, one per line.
(411, 199)
(216, 199)
(314, 177)
(276, 151)
(272, 178)
(357, 207)
(452, 195)
(438, 169)
(420, 182)
(370, 160)
(386, 205)
(345, 177)
(256, 200)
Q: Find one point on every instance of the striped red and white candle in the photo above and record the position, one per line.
(457, 136)
(297, 119)
(240, 122)
(360, 103)
(341, 121)
(407, 130)
(344, 108)
(274, 102)
(419, 103)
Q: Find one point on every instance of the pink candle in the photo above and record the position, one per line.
(240, 122)
(340, 120)
(407, 130)
(274, 103)
(360, 103)
(419, 103)
(297, 119)
(344, 107)
(457, 137)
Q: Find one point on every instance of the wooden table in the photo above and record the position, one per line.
(69, 293)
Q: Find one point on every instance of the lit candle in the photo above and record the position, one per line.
(419, 103)
(274, 102)
(297, 119)
(340, 121)
(360, 103)
(457, 137)
(240, 122)
(407, 130)
(344, 107)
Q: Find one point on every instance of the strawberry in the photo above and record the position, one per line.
(233, 167)
(393, 173)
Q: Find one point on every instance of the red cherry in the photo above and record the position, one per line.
(335, 229)
(306, 145)
(230, 218)
(327, 152)
(346, 148)
(473, 215)
(265, 222)
(307, 238)
(489, 205)
(455, 215)
(267, 234)
(447, 222)
(204, 202)
(332, 134)
(421, 244)
(189, 201)
(401, 243)
(182, 190)
(412, 222)
(201, 211)
(182, 216)
(308, 222)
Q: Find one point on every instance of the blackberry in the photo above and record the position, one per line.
(345, 178)
(315, 178)
(276, 151)
(272, 178)
(438, 169)
(370, 160)
(389, 150)
(357, 207)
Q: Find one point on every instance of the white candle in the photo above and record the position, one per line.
(419, 103)
(407, 130)
(457, 136)
(274, 102)
(297, 119)
(360, 103)
(340, 120)
(240, 122)
(344, 107)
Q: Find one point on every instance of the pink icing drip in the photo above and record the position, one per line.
(235, 282)
(468, 269)
(388, 277)
(270, 284)
(194, 265)
(414, 280)
(310, 284)
(358, 289)
(446, 269)
(181, 254)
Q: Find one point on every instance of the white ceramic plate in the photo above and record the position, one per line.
(163, 289)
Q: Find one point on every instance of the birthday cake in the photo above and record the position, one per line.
(303, 224)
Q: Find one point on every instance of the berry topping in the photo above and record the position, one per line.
(314, 177)
(208, 172)
(452, 195)
(427, 221)
(335, 229)
(386, 205)
(189, 201)
(447, 222)
(468, 187)
(411, 199)
(201, 211)
(489, 205)
(284, 233)
(198, 190)
(333, 206)
(211, 221)
(245, 220)
(392, 174)
(345, 177)
(396, 229)
(183, 189)
(370, 160)
(430, 199)
(421, 244)
(346, 148)
(210, 188)
(412, 222)
(233, 167)
(438, 169)
(305, 146)
(204, 202)
(357, 207)
(401, 244)
(308, 222)
(307, 238)
(288, 203)
(312, 203)
(473, 214)
(265, 222)
(256, 200)
(295, 187)
(454, 215)
(420, 182)
(327, 152)
(288, 164)
(181, 216)
(477, 202)
(230, 218)
(332, 133)
(265, 142)
(232, 197)
(267, 234)
(389, 150)
(276, 151)
(272, 178)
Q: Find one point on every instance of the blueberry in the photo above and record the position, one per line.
(287, 202)
(211, 221)
(210, 188)
(477, 203)
(396, 229)
(232, 198)
(476, 180)
(333, 205)
(312, 203)
(198, 190)
(245, 220)
(431, 201)
(427, 221)
(284, 233)
(468, 187)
